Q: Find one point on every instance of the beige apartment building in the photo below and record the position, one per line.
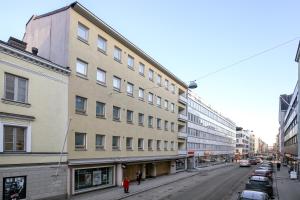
(126, 109)
(33, 122)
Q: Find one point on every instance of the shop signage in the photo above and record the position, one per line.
(14, 188)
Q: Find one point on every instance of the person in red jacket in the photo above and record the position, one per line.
(126, 185)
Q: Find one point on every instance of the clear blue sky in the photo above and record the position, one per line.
(193, 38)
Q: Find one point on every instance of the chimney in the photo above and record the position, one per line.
(34, 50)
(14, 42)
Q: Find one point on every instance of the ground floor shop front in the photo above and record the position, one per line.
(87, 176)
(198, 161)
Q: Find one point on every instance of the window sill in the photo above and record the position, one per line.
(116, 120)
(100, 149)
(141, 125)
(117, 149)
(158, 128)
(150, 126)
(129, 149)
(159, 106)
(131, 68)
(130, 122)
(80, 149)
(130, 95)
(151, 103)
(140, 149)
(17, 103)
(151, 80)
(102, 51)
(117, 90)
(150, 149)
(141, 74)
(100, 117)
(141, 99)
(166, 149)
(117, 60)
(102, 84)
(166, 130)
(82, 76)
(82, 40)
(81, 113)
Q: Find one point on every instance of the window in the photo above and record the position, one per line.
(166, 104)
(14, 138)
(80, 141)
(150, 145)
(150, 98)
(81, 104)
(117, 54)
(117, 83)
(172, 107)
(100, 141)
(102, 44)
(166, 145)
(141, 93)
(83, 32)
(101, 76)
(158, 145)
(16, 88)
(116, 113)
(158, 123)
(141, 119)
(130, 62)
(115, 142)
(172, 126)
(141, 69)
(81, 67)
(100, 109)
(158, 80)
(129, 143)
(172, 88)
(158, 101)
(166, 125)
(129, 89)
(166, 84)
(172, 145)
(150, 121)
(140, 144)
(129, 116)
(150, 74)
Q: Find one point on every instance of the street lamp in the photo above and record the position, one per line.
(193, 85)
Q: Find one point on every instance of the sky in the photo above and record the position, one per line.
(193, 38)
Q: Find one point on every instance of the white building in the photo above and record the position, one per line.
(242, 142)
(210, 135)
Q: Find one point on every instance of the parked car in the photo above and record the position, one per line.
(252, 195)
(263, 172)
(259, 183)
(252, 161)
(266, 167)
(245, 163)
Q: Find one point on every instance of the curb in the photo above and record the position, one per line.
(167, 183)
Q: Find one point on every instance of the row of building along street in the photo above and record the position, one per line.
(82, 108)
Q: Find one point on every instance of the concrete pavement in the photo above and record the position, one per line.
(286, 188)
(117, 193)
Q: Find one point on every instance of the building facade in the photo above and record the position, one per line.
(127, 111)
(209, 134)
(289, 125)
(242, 143)
(252, 145)
(33, 124)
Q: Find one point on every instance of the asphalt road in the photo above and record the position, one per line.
(219, 184)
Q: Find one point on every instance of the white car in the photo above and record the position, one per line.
(245, 163)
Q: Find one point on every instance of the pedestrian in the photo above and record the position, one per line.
(278, 166)
(138, 177)
(126, 185)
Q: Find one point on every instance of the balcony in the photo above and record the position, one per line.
(182, 99)
(182, 152)
(182, 117)
(182, 134)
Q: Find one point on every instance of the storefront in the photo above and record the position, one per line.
(180, 164)
(92, 178)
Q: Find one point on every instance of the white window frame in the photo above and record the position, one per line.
(141, 91)
(150, 147)
(131, 115)
(151, 75)
(119, 85)
(150, 98)
(130, 62)
(104, 105)
(130, 147)
(84, 147)
(159, 78)
(119, 143)
(130, 89)
(142, 69)
(103, 73)
(102, 147)
(16, 88)
(166, 104)
(158, 101)
(28, 134)
(166, 84)
(117, 54)
(102, 39)
(172, 107)
(119, 113)
(143, 118)
(83, 63)
(85, 104)
(84, 28)
(140, 147)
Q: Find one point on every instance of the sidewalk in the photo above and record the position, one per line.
(287, 189)
(117, 193)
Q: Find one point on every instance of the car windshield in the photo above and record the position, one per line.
(253, 182)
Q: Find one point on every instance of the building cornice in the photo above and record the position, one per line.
(17, 116)
(28, 57)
